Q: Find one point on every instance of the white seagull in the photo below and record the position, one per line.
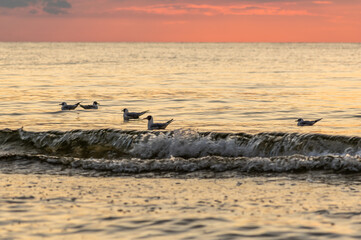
(65, 106)
(302, 122)
(153, 126)
(131, 115)
(94, 106)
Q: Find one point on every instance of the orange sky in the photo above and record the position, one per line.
(181, 20)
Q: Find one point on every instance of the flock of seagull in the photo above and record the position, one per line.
(126, 115)
(151, 125)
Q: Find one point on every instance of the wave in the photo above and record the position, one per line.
(215, 164)
(182, 151)
(113, 144)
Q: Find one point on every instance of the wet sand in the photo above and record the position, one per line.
(77, 207)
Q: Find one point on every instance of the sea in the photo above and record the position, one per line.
(234, 106)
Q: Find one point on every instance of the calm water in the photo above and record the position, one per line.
(219, 87)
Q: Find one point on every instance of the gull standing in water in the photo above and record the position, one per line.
(131, 115)
(302, 122)
(153, 126)
(65, 106)
(94, 106)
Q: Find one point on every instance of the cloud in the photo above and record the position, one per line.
(322, 2)
(16, 3)
(56, 6)
(49, 6)
(211, 10)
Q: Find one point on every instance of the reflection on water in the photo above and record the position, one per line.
(207, 87)
(57, 207)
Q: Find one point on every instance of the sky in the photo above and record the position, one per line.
(181, 20)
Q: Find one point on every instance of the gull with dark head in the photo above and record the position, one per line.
(302, 122)
(65, 106)
(132, 115)
(94, 106)
(154, 126)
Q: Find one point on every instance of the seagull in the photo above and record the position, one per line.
(132, 115)
(65, 106)
(94, 106)
(301, 122)
(153, 126)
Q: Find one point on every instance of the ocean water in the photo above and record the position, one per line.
(218, 87)
(233, 102)
(234, 106)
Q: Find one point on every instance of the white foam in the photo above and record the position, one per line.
(184, 143)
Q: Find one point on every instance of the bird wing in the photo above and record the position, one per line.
(318, 120)
(161, 125)
(88, 106)
(133, 115)
(141, 113)
(158, 126)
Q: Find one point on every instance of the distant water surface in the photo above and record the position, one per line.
(220, 87)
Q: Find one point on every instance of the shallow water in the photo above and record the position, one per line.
(68, 207)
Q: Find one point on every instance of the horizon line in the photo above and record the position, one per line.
(21, 41)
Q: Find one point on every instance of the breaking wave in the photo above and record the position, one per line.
(182, 151)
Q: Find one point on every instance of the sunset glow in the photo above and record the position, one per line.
(181, 20)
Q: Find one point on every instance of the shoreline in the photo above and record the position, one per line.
(73, 207)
